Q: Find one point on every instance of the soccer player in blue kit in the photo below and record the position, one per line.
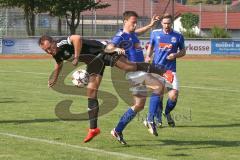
(96, 55)
(127, 38)
(167, 45)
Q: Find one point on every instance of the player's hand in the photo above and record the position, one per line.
(147, 59)
(120, 51)
(154, 19)
(51, 82)
(171, 56)
(75, 61)
(168, 76)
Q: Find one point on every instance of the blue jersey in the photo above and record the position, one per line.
(164, 44)
(131, 44)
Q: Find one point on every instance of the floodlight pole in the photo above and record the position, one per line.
(226, 17)
(6, 30)
(124, 6)
(151, 8)
(82, 25)
(200, 19)
(173, 10)
(92, 23)
(95, 19)
(118, 13)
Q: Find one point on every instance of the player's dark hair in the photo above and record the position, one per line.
(168, 16)
(128, 14)
(45, 38)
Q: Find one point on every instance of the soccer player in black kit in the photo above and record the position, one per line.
(96, 55)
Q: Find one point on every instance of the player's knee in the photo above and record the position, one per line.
(159, 90)
(92, 93)
(129, 67)
(173, 95)
(93, 85)
(174, 99)
(138, 107)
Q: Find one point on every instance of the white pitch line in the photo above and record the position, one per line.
(100, 151)
(37, 73)
(211, 89)
(191, 87)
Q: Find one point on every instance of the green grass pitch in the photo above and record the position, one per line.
(207, 117)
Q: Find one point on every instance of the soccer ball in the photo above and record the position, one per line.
(80, 78)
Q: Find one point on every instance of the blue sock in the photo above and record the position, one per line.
(158, 113)
(153, 106)
(125, 119)
(170, 106)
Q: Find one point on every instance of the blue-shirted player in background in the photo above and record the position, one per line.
(127, 39)
(167, 45)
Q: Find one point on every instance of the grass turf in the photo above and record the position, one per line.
(207, 117)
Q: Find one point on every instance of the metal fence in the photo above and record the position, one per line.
(12, 24)
(12, 21)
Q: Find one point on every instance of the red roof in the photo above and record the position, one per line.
(211, 15)
(211, 19)
(142, 7)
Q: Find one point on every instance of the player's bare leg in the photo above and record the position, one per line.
(126, 65)
(139, 102)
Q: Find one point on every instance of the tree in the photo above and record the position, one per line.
(48, 6)
(71, 10)
(60, 8)
(189, 21)
(30, 7)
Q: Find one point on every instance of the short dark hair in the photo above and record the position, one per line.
(128, 14)
(45, 38)
(168, 16)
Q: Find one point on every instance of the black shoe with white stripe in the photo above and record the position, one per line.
(118, 136)
(170, 120)
(151, 127)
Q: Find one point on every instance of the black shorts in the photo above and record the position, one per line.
(110, 59)
(92, 47)
(100, 72)
(96, 64)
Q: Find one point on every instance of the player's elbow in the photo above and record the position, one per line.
(59, 65)
(76, 38)
(183, 52)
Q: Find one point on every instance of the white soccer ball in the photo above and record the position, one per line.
(80, 78)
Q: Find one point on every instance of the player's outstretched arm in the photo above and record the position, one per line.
(144, 29)
(77, 43)
(57, 69)
(110, 48)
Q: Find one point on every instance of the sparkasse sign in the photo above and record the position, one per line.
(198, 47)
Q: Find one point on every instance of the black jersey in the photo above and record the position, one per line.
(65, 49)
(92, 53)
